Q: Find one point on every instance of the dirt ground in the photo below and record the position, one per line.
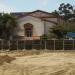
(38, 63)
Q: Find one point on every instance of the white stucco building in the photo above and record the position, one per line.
(32, 25)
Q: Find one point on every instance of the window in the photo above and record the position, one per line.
(28, 30)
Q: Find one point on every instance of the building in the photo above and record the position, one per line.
(32, 25)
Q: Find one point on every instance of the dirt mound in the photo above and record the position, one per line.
(43, 64)
(14, 69)
(68, 70)
(6, 58)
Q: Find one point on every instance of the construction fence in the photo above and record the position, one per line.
(37, 44)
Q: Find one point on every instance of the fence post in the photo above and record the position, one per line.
(63, 44)
(40, 43)
(17, 44)
(45, 44)
(24, 44)
(73, 44)
(32, 44)
(9, 44)
(2, 44)
(54, 44)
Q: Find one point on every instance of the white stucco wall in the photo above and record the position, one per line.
(48, 26)
(52, 19)
(38, 26)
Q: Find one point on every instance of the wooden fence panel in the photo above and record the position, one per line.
(28, 44)
(73, 44)
(36, 44)
(21, 44)
(50, 44)
(0, 44)
(42, 44)
(5, 44)
(14, 45)
(68, 44)
(58, 44)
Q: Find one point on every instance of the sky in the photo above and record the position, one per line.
(31, 5)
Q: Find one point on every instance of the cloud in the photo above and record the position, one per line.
(43, 2)
(5, 8)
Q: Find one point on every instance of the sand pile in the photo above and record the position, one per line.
(44, 64)
(13, 69)
(6, 58)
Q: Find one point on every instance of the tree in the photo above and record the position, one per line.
(69, 26)
(44, 37)
(7, 25)
(59, 31)
(1, 24)
(66, 10)
(55, 12)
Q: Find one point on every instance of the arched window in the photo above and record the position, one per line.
(28, 29)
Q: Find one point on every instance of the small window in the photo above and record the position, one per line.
(28, 32)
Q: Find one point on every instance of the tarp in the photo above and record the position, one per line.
(70, 34)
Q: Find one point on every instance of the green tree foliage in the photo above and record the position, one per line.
(58, 31)
(67, 11)
(69, 26)
(1, 24)
(66, 8)
(55, 12)
(61, 30)
(7, 25)
(44, 37)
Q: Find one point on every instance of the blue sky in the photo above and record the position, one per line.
(31, 5)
